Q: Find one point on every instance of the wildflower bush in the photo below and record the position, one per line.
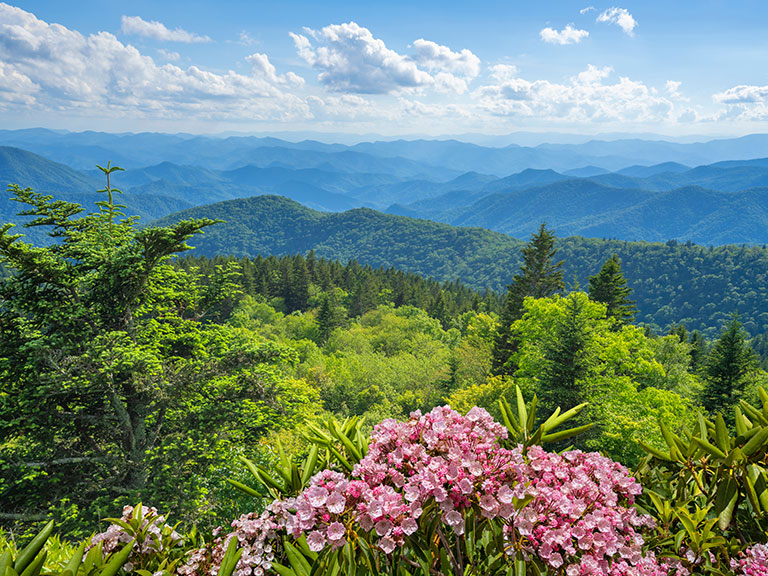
(449, 494)
(445, 494)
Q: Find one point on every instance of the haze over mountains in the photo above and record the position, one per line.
(710, 193)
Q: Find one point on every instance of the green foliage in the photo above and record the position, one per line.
(539, 277)
(708, 486)
(570, 352)
(730, 365)
(610, 287)
(672, 283)
(112, 371)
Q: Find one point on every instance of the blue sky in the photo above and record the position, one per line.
(391, 68)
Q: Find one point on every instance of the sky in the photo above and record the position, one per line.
(391, 68)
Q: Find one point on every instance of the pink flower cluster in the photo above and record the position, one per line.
(158, 532)
(572, 512)
(581, 516)
(256, 535)
(752, 562)
(455, 460)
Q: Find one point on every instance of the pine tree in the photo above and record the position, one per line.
(539, 277)
(727, 371)
(610, 287)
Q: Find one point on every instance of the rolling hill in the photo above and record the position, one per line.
(672, 282)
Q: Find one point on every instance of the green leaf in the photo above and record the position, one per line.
(309, 464)
(36, 565)
(557, 436)
(77, 558)
(283, 570)
(6, 560)
(112, 567)
(28, 553)
(231, 557)
(296, 558)
(522, 413)
(243, 488)
(725, 502)
(721, 434)
(654, 451)
(709, 448)
(756, 442)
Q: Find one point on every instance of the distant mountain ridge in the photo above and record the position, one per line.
(716, 203)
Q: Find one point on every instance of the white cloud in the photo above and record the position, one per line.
(262, 67)
(246, 39)
(49, 67)
(351, 60)
(169, 55)
(433, 56)
(158, 31)
(503, 72)
(588, 97)
(743, 102)
(743, 94)
(587, 9)
(620, 17)
(568, 35)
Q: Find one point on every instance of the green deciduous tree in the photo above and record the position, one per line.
(610, 287)
(539, 277)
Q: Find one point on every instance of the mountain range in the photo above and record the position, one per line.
(574, 189)
(425, 213)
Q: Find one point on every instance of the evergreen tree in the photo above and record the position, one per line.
(298, 294)
(698, 352)
(727, 371)
(567, 357)
(610, 287)
(331, 314)
(98, 338)
(539, 277)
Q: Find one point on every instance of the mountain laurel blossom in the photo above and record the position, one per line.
(752, 562)
(572, 513)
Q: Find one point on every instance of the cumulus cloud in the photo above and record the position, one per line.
(158, 31)
(743, 102)
(51, 67)
(433, 56)
(568, 35)
(261, 66)
(743, 94)
(587, 9)
(169, 55)
(588, 97)
(351, 60)
(621, 17)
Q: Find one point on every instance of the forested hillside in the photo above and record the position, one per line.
(210, 387)
(672, 282)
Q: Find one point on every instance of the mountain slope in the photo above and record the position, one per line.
(717, 281)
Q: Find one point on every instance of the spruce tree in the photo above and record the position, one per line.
(727, 371)
(567, 357)
(539, 277)
(610, 287)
